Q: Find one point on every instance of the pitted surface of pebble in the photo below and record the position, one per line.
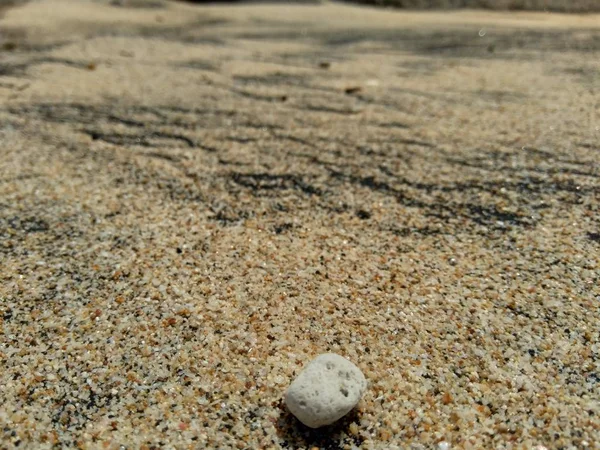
(325, 391)
(196, 201)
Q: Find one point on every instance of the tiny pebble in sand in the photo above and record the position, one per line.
(325, 391)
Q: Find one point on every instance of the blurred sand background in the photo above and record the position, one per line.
(575, 6)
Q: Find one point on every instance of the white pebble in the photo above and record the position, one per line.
(325, 391)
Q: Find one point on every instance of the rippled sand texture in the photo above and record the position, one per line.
(195, 201)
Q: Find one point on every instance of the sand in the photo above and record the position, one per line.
(570, 6)
(195, 201)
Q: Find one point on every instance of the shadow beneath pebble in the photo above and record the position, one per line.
(295, 435)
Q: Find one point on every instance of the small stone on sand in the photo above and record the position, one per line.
(325, 391)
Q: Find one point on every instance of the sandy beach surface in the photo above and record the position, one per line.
(195, 201)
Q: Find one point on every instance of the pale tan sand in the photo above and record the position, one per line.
(572, 6)
(196, 201)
